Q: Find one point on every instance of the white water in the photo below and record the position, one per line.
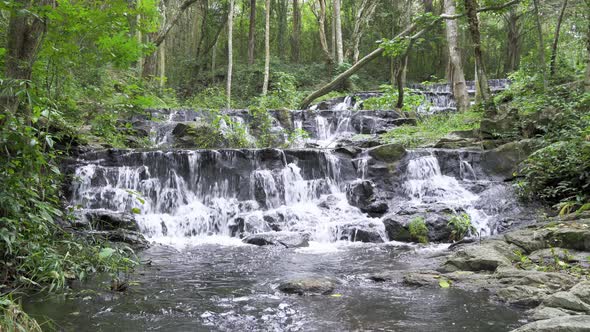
(183, 208)
(425, 185)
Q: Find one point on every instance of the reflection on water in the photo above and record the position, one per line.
(233, 288)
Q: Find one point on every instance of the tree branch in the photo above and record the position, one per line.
(161, 36)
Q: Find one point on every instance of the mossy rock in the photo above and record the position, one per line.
(389, 153)
(198, 135)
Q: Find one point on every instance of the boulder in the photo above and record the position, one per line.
(388, 153)
(559, 324)
(435, 218)
(197, 135)
(459, 139)
(107, 220)
(135, 239)
(362, 195)
(503, 125)
(308, 286)
(358, 234)
(485, 257)
(285, 239)
(571, 237)
(528, 239)
(504, 160)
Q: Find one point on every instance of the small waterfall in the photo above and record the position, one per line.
(344, 105)
(186, 196)
(426, 185)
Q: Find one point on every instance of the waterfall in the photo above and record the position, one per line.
(187, 196)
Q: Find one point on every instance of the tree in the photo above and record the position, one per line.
(364, 14)
(321, 18)
(514, 34)
(482, 88)
(541, 43)
(556, 39)
(252, 32)
(230, 50)
(338, 33)
(455, 71)
(296, 37)
(266, 48)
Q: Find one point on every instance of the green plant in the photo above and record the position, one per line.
(388, 101)
(418, 230)
(461, 226)
(14, 319)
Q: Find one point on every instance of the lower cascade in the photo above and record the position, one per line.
(182, 197)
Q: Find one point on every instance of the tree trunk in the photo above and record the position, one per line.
(266, 49)
(296, 37)
(482, 79)
(338, 32)
(456, 75)
(24, 38)
(541, 42)
(556, 39)
(162, 65)
(587, 79)
(363, 15)
(513, 36)
(230, 32)
(401, 78)
(322, 31)
(251, 33)
(282, 30)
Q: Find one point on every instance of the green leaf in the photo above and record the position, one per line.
(106, 253)
(135, 210)
(443, 283)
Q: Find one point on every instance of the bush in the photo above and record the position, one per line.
(461, 226)
(13, 318)
(388, 101)
(418, 230)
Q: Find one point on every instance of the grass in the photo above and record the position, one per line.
(431, 128)
(13, 318)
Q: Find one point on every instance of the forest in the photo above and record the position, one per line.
(226, 165)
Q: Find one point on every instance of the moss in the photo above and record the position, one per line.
(389, 153)
(418, 230)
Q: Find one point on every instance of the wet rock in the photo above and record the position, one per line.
(422, 278)
(362, 195)
(569, 256)
(348, 150)
(383, 276)
(504, 125)
(389, 153)
(106, 220)
(459, 139)
(528, 239)
(504, 160)
(285, 239)
(135, 239)
(357, 234)
(485, 257)
(308, 286)
(436, 220)
(558, 324)
(541, 312)
(571, 237)
(197, 135)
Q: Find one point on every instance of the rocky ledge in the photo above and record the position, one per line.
(544, 267)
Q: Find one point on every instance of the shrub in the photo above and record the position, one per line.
(388, 100)
(461, 226)
(418, 230)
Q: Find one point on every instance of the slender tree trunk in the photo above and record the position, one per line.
(363, 15)
(266, 49)
(401, 79)
(338, 32)
(230, 62)
(556, 39)
(587, 79)
(482, 79)
(456, 75)
(333, 40)
(296, 37)
(282, 30)
(252, 32)
(541, 43)
(162, 66)
(513, 36)
(322, 32)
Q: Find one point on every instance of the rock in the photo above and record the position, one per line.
(558, 324)
(422, 278)
(569, 256)
(527, 239)
(348, 150)
(308, 286)
(135, 239)
(458, 139)
(435, 218)
(550, 281)
(286, 239)
(357, 234)
(504, 160)
(107, 220)
(571, 237)
(485, 257)
(504, 125)
(362, 195)
(567, 300)
(197, 135)
(541, 312)
(383, 276)
(389, 153)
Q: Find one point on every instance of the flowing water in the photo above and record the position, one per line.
(199, 276)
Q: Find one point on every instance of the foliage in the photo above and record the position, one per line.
(559, 261)
(431, 128)
(461, 226)
(35, 250)
(418, 230)
(14, 319)
(388, 101)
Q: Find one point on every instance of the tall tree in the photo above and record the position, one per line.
(296, 36)
(587, 78)
(363, 15)
(282, 6)
(556, 39)
(455, 72)
(230, 51)
(266, 48)
(482, 86)
(338, 32)
(252, 32)
(514, 35)
(321, 18)
(541, 43)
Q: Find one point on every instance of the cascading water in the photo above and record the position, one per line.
(185, 196)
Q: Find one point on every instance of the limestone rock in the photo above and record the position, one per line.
(558, 324)
(308, 286)
(286, 239)
(389, 153)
